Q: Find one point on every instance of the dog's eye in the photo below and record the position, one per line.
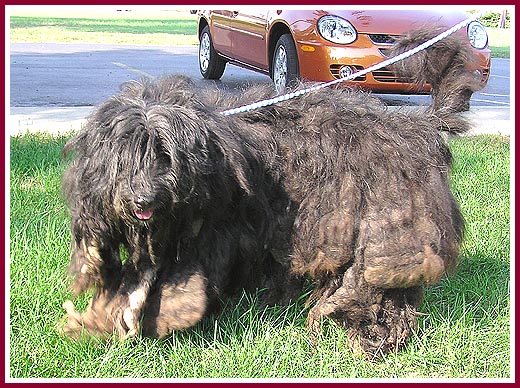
(164, 161)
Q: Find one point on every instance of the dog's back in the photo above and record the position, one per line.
(373, 218)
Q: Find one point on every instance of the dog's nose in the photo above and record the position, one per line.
(143, 201)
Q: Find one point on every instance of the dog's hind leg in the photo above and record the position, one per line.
(407, 237)
(378, 320)
(325, 231)
(425, 267)
(409, 234)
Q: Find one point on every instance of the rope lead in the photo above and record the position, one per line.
(388, 62)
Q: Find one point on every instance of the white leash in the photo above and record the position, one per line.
(388, 62)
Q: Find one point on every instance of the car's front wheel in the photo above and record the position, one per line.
(285, 69)
(211, 65)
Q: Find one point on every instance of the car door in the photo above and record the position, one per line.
(221, 32)
(247, 31)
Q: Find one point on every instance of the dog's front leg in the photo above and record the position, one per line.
(140, 274)
(94, 262)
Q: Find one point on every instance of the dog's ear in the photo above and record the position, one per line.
(203, 147)
(92, 150)
(236, 155)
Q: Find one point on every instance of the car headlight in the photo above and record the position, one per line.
(477, 35)
(336, 29)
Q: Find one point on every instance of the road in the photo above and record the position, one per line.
(73, 75)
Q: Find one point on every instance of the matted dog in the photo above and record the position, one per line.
(175, 206)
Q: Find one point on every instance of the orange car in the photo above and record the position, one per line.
(322, 45)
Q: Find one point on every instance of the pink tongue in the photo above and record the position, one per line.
(145, 215)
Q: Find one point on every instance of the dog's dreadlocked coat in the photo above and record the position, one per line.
(174, 205)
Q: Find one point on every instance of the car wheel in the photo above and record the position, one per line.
(285, 70)
(211, 65)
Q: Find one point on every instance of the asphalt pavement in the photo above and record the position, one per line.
(55, 86)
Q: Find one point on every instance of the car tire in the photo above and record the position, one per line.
(285, 69)
(211, 65)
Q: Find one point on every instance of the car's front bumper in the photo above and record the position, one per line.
(323, 62)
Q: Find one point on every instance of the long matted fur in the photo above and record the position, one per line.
(332, 186)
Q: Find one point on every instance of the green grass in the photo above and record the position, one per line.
(499, 42)
(162, 28)
(174, 29)
(465, 332)
(166, 26)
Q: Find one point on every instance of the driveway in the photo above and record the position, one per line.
(56, 85)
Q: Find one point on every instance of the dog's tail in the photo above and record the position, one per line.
(446, 66)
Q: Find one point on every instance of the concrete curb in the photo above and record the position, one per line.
(60, 120)
(490, 120)
(47, 119)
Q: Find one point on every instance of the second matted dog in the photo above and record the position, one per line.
(331, 186)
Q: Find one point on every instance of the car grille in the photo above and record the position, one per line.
(334, 69)
(384, 75)
(382, 38)
(384, 52)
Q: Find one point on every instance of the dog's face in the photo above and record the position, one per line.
(145, 181)
(143, 157)
(145, 195)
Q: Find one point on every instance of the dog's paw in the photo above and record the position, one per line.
(377, 320)
(388, 332)
(375, 340)
(72, 323)
(125, 316)
(91, 323)
(131, 319)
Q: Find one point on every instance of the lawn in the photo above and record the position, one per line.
(464, 333)
(167, 28)
(499, 42)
